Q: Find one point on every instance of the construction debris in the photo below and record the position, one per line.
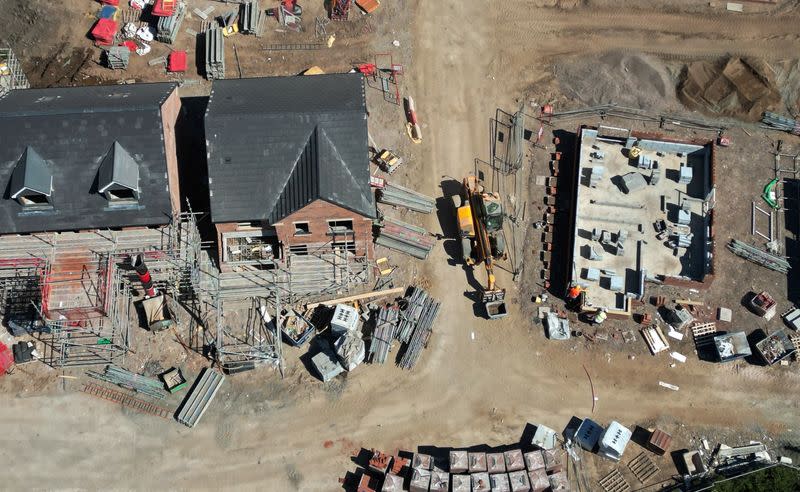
(174, 380)
(350, 349)
(406, 238)
(296, 328)
(732, 346)
(763, 305)
(775, 347)
(340, 9)
(197, 401)
(126, 379)
(397, 195)
(763, 258)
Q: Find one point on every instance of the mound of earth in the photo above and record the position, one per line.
(633, 80)
(739, 87)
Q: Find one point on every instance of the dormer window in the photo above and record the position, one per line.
(118, 176)
(33, 199)
(121, 194)
(32, 180)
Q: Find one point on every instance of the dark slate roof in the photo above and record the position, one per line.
(72, 130)
(276, 144)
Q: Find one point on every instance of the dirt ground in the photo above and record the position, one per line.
(479, 382)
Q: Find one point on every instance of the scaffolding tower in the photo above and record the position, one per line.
(11, 74)
(85, 337)
(244, 342)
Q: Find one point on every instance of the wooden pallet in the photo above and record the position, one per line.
(703, 333)
(643, 467)
(614, 482)
(126, 400)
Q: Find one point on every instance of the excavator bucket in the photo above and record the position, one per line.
(495, 303)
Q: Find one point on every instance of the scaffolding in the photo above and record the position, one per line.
(11, 74)
(246, 342)
(86, 337)
(78, 286)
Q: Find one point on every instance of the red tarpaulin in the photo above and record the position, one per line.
(115, 3)
(164, 8)
(6, 359)
(177, 61)
(103, 32)
(130, 45)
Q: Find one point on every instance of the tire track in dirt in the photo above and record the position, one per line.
(558, 32)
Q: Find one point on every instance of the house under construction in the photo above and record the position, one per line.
(641, 211)
(91, 178)
(92, 182)
(289, 183)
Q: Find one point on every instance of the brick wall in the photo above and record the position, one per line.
(317, 214)
(169, 115)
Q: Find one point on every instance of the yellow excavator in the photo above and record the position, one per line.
(480, 223)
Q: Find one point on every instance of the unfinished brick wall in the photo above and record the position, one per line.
(169, 115)
(222, 229)
(317, 214)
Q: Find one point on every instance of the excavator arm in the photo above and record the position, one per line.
(481, 205)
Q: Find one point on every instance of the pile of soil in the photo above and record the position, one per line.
(618, 78)
(738, 87)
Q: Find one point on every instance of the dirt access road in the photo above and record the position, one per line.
(479, 382)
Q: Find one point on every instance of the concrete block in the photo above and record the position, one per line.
(725, 314)
(480, 482)
(495, 463)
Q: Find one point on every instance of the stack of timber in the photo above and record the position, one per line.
(406, 238)
(400, 196)
(384, 334)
